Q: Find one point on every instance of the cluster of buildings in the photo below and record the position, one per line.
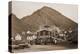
(45, 35)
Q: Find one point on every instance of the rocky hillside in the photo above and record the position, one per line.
(48, 16)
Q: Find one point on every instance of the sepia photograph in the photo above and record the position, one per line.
(39, 26)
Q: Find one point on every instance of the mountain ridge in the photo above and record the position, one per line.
(53, 17)
(16, 25)
(44, 7)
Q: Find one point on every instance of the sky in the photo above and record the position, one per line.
(24, 8)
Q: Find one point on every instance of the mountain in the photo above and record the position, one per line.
(48, 16)
(16, 25)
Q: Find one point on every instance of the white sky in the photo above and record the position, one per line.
(23, 8)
